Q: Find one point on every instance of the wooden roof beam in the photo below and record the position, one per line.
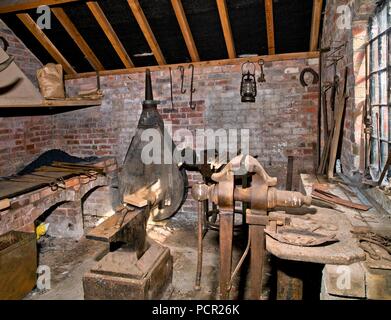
(315, 24)
(100, 17)
(147, 31)
(7, 6)
(226, 25)
(45, 42)
(270, 26)
(224, 62)
(77, 38)
(186, 32)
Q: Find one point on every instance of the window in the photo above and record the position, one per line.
(378, 77)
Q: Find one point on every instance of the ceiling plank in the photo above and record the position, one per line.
(270, 26)
(45, 42)
(7, 6)
(315, 25)
(226, 25)
(100, 17)
(201, 64)
(78, 38)
(186, 32)
(147, 31)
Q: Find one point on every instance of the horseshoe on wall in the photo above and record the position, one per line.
(314, 74)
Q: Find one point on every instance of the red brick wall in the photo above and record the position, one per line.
(354, 58)
(22, 138)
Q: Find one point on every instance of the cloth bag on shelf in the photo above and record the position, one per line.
(51, 81)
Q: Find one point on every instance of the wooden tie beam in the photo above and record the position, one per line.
(212, 63)
(7, 6)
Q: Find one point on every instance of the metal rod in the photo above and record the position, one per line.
(289, 175)
(199, 251)
(385, 169)
(172, 97)
(240, 263)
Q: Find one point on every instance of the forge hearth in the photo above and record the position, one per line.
(69, 206)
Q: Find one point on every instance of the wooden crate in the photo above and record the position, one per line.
(18, 264)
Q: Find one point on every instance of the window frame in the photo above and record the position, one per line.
(378, 146)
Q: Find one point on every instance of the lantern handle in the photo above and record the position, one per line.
(248, 63)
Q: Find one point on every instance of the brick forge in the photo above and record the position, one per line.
(67, 210)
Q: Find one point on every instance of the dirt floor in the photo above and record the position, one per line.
(69, 260)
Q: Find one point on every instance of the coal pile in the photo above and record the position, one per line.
(49, 157)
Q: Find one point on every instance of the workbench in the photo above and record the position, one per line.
(369, 278)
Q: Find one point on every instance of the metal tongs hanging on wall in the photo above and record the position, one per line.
(183, 90)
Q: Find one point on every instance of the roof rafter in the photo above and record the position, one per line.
(77, 38)
(315, 24)
(270, 26)
(45, 42)
(100, 17)
(147, 31)
(186, 32)
(226, 25)
(7, 6)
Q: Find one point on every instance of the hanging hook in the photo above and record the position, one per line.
(182, 70)
(192, 90)
(172, 98)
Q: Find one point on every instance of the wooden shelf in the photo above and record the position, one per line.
(70, 102)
